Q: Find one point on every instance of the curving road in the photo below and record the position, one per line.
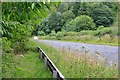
(107, 52)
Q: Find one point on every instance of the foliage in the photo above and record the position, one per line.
(102, 15)
(25, 11)
(17, 33)
(84, 9)
(19, 20)
(6, 45)
(67, 16)
(52, 22)
(104, 31)
(76, 7)
(63, 7)
(69, 26)
(45, 26)
(41, 33)
(63, 18)
(112, 5)
(82, 23)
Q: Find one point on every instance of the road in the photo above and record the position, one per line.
(107, 52)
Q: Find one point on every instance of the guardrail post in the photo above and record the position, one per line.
(54, 74)
(45, 61)
(40, 54)
(49, 64)
(37, 49)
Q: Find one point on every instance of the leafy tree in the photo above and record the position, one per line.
(82, 22)
(76, 7)
(55, 20)
(85, 8)
(69, 26)
(112, 5)
(20, 19)
(45, 26)
(68, 15)
(63, 7)
(102, 15)
(52, 22)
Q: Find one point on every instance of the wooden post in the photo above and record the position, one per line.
(54, 74)
(45, 62)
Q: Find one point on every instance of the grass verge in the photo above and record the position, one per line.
(104, 40)
(24, 66)
(78, 66)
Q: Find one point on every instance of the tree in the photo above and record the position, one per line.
(45, 26)
(52, 22)
(19, 19)
(63, 7)
(68, 15)
(82, 22)
(112, 5)
(102, 15)
(76, 7)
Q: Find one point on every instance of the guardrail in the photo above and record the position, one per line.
(49, 64)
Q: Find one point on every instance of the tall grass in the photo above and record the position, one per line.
(78, 66)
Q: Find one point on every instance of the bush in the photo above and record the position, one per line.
(6, 45)
(81, 23)
(104, 31)
(99, 32)
(41, 33)
(88, 32)
(71, 34)
(60, 34)
(17, 33)
(52, 33)
(100, 27)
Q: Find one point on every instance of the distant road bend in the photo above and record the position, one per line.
(108, 52)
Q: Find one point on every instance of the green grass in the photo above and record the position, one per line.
(78, 66)
(29, 66)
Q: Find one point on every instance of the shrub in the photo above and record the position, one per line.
(104, 31)
(52, 33)
(81, 23)
(88, 32)
(17, 33)
(60, 34)
(71, 34)
(100, 27)
(6, 45)
(41, 33)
